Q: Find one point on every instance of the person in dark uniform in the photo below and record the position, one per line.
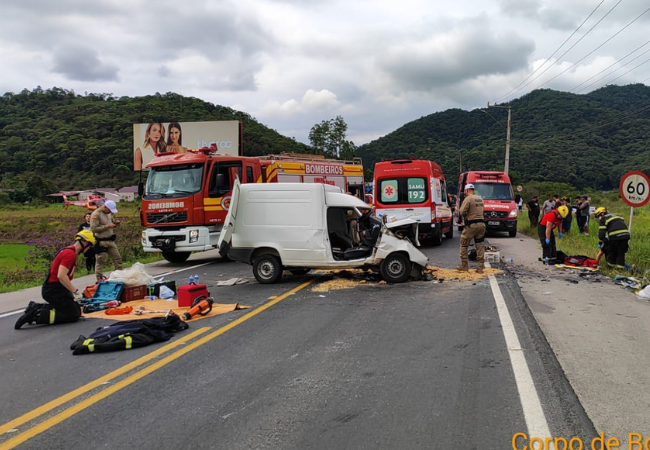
(89, 255)
(533, 211)
(613, 237)
(58, 291)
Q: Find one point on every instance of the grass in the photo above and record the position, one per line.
(12, 256)
(575, 243)
(23, 224)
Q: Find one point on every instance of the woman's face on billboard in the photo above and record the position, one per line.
(174, 134)
(154, 134)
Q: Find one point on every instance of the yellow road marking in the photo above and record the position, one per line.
(93, 384)
(76, 408)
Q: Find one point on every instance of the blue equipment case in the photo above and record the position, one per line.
(107, 291)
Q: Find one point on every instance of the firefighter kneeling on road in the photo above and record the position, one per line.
(474, 228)
(58, 290)
(613, 237)
(551, 220)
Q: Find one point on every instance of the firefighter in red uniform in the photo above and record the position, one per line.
(58, 290)
(550, 221)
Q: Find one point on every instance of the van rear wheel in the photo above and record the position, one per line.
(267, 269)
(396, 268)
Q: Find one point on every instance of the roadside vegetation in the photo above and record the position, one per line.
(575, 243)
(32, 235)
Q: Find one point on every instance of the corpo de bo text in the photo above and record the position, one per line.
(635, 441)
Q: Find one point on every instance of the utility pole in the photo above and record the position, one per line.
(507, 163)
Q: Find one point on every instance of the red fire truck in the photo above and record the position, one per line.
(187, 196)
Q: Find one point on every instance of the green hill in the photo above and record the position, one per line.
(55, 139)
(588, 141)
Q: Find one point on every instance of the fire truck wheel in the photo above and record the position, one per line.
(396, 268)
(267, 269)
(176, 257)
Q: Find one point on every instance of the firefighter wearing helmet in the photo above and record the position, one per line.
(549, 222)
(613, 238)
(471, 211)
(58, 291)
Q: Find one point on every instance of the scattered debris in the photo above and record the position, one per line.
(232, 282)
(441, 274)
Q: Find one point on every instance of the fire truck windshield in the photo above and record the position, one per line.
(174, 181)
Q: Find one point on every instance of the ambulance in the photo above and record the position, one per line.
(414, 188)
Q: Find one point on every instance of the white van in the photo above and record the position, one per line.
(300, 227)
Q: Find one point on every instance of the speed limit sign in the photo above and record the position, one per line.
(520, 188)
(635, 188)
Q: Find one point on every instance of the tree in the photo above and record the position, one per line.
(328, 138)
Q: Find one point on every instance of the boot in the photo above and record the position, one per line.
(463, 267)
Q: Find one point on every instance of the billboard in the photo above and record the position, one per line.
(151, 139)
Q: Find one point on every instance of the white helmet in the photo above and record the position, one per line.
(469, 186)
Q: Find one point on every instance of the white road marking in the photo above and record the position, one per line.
(530, 403)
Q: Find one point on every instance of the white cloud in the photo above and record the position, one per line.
(293, 63)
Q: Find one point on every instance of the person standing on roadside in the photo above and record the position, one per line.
(533, 211)
(549, 205)
(549, 222)
(576, 212)
(58, 291)
(474, 228)
(89, 255)
(584, 213)
(102, 224)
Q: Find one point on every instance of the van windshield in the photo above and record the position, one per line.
(493, 191)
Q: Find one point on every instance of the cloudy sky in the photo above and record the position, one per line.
(293, 63)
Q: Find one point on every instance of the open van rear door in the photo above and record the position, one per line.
(223, 244)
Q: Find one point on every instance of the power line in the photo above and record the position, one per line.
(644, 62)
(604, 76)
(591, 52)
(570, 48)
(610, 66)
(594, 127)
(556, 50)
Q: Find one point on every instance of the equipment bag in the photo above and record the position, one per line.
(129, 334)
(581, 261)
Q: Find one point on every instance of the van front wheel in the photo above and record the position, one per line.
(396, 268)
(267, 269)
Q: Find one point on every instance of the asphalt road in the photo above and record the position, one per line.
(418, 365)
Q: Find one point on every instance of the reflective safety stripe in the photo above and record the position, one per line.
(612, 218)
(91, 348)
(87, 341)
(614, 233)
(52, 314)
(129, 342)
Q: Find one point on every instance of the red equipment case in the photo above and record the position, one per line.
(190, 292)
